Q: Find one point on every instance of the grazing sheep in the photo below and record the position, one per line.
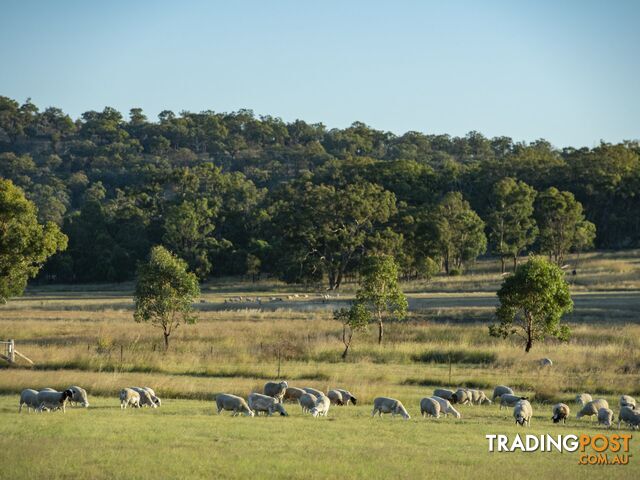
(347, 396)
(523, 412)
(153, 395)
(629, 416)
(293, 393)
(145, 397)
(560, 413)
(238, 405)
(335, 397)
(276, 390)
(501, 390)
(605, 417)
(389, 405)
(591, 408)
(627, 401)
(546, 362)
(478, 397)
(28, 397)
(461, 396)
(313, 391)
(446, 408)
(264, 403)
(429, 406)
(128, 397)
(308, 401)
(509, 400)
(443, 393)
(321, 407)
(583, 398)
(52, 400)
(79, 396)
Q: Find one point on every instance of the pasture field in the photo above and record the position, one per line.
(85, 335)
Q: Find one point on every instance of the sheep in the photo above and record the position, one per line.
(28, 397)
(605, 417)
(560, 413)
(275, 390)
(592, 407)
(128, 397)
(523, 412)
(313, 391)
(629, 416)
(443, 393)
(79, 396)
(264, 403)
(478, 397)
(389, 405)
(509, 400)
(145, 397)
(501, 390)
(321, 408)
(335, 397)
(429, 406)
(226, 401)
(52, 400)
(461, 396)
(293, 393)
(347, 396)
(627, 401)
(153, 395)
(307, 401)
(446, 408)
(545, 362)
(583, 398)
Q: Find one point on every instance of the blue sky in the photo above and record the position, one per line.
(567, 71)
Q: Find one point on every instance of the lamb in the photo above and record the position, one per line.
(389, 405)
(293, 393)
(79, 396)
(52, 400)
(629, 416)
(28, 397)
(429, 406)
(446, 408)
(546, 362)
(583, 399)
(605, 417)
(501, 390)
(238, 405)
(307, 401)
(560, 413)
(627, 401)
(478, 397)
(276, 390)
(347, 396)
(523, 412)
(335, 397)
(443, 393)
(461, 396)
(592, 407)
(264, 403)
(321, 407)
(313, 391)
(128, 397)
(510, 400)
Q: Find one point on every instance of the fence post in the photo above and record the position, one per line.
(12, 351)
(450, 369)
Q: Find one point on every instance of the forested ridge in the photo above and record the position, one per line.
(237, 194)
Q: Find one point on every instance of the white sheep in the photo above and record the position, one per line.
(629, 416)
(501, 390)
(321, 408)
(347, 396)
(429, 406)
(313, 391)
(523, 412)
(238, 405)
(276, 390)
(605, 417)
(145, 397)
(446, 408)
(79, 396)
(129, 397)
(153, 395)
(591, 408)
(443, 393)
(545, 362)
(627, 401)
(308, 401)
(583, 398)
(293, 393)
(28, 397)
(335, 397)
(560, 413)
(478, 397)
(461, 396)
(264, 403)
(389, 405)
(52, 400)
(510, 400)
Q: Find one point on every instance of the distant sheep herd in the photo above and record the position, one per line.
(316, 403)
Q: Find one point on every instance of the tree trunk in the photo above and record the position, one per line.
(529, 344)
(166, 341)
(380, 331)
(338, 280)
(332, 280)
(515, 262)
(501, 264)
(346, 351)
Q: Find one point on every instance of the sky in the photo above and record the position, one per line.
(567, 71)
